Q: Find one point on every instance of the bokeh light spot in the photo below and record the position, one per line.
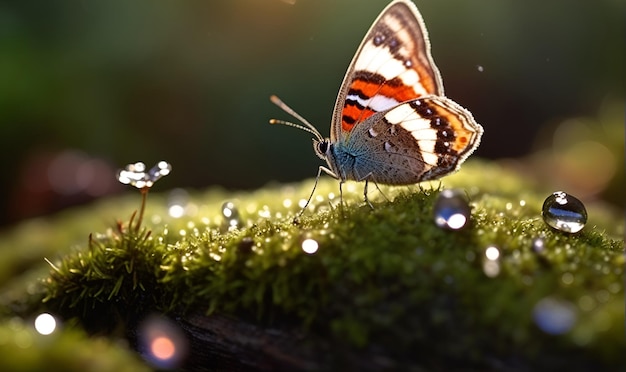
(492, 253)
(310, 246)
(45, 324)
(163, 348)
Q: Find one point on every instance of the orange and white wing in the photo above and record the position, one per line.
(392, 65)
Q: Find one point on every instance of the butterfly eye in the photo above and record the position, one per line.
(322, 147)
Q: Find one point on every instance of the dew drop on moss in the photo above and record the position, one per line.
(310, 246)
(232, 219)
(554, 316)
(177, 202)
(492, 253)
(491, 262)
(538, 245)
(160, 170)
(45, 324)
(564, 212)
(451, 210)
(136, 174)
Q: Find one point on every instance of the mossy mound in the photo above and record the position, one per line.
(386, 287)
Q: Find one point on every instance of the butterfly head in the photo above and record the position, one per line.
(322, 147)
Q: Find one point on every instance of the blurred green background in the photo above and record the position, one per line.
(89, 86)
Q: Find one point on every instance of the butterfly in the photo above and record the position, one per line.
(392, 123)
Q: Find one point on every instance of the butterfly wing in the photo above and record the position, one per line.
(418, 140)
(392, 65)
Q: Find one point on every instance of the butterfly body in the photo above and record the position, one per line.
(392, 123)
(376, 152)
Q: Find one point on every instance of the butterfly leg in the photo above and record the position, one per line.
(317, 178)
(381, 192)
(365, 195)
(341, 197)
(366, 179)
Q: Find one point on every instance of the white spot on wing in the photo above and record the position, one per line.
(414, 123)
(429, 155)
(400, 114)
(382, 103)
(376, 103)
(410, 77)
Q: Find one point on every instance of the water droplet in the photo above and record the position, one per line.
(564, 212)
(132, 174)
(492, 253)
(45, 324)
(265, 212)
(491, 263)
(451, 209)
(177, 201)
(491, 268)
(554, 316)
(215, 256)
(310, 246)
(162, 169)
(231, 216)
(538, 245)
(136, 175)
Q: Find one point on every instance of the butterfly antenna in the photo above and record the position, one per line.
(308, 127)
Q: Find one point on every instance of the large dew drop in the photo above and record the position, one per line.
(451, 210)
(564, 212)
(230, 212)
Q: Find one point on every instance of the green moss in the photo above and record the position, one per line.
(385, 279)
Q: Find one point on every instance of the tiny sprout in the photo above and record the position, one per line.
(136, 175)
